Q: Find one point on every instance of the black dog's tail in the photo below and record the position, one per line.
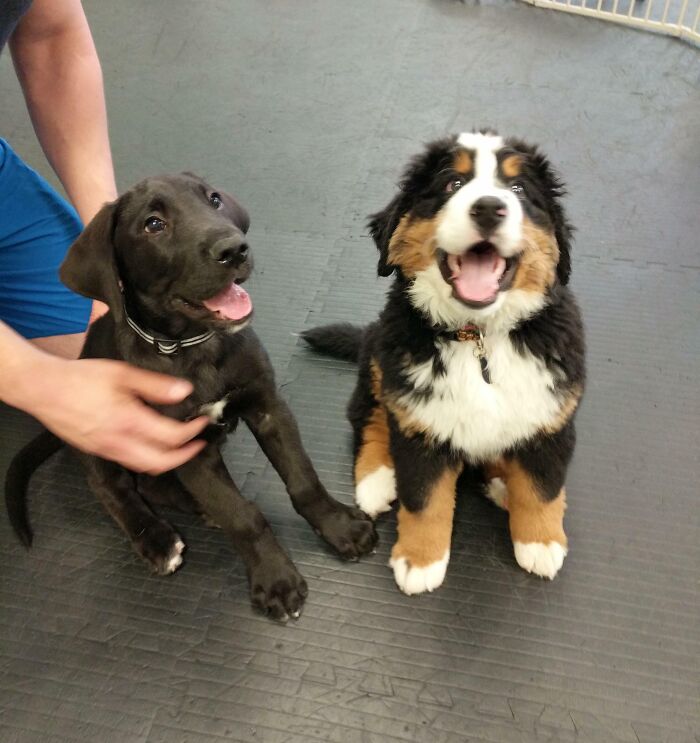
(17, 479)
(341, 340)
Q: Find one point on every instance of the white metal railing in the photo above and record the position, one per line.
(679, 18)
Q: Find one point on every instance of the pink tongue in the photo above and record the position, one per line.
(233, 303)
(475, 275)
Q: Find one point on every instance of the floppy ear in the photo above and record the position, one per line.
(563, 231)
(416, 180)
(90, 266)
(381, 228)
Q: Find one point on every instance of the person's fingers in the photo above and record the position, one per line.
(162, 431)
(145, 457)
(175, 457)
(154, 387)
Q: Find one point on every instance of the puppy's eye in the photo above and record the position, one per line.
(454, 185)
(215, 200)
(517, 188)
(154, 224)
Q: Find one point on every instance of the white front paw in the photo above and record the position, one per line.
(411, 579)
(377, 491)
(541, 559)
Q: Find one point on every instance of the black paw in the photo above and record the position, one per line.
(277, 588)
(161, 547)
(348, 530)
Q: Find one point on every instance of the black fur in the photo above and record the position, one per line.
(556, 336)
(342, 340)
(116, 261)
(419, 463)
(546, 458)
(417, 193)
(17, 479)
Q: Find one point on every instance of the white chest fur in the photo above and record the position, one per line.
(480, 419)
(215, 410)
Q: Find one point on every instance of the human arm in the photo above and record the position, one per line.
(58, 68)
(98, 406)
(61, 77)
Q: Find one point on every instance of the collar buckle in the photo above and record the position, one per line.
(468, 333)
(166, 348)
(474, 333)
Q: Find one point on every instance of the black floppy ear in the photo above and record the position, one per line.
(416, 181)
(382, 226)
(90, 266)
(563, 231)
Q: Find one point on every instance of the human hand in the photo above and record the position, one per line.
(98, 406)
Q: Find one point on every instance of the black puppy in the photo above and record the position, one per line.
(168, 257)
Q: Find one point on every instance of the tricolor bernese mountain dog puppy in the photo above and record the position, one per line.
(477, 357)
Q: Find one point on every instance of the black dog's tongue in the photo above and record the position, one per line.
(233, 303)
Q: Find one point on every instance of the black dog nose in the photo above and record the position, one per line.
(230, 250)
(488, 212)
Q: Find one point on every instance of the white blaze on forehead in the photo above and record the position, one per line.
(485, 147)
(456, 230)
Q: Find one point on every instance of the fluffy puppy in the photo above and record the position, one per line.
(477, 357)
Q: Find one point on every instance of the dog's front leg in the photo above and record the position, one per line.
(529, 484)
(276, 586)
(426, 479)
(152, 537)
(349, 531)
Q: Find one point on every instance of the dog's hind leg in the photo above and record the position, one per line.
(495, 485)
(152, 537)
(166, 490)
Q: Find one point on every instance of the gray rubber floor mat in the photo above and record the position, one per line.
(308, 111)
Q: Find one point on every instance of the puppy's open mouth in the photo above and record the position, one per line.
(231, 305)
(478, 274)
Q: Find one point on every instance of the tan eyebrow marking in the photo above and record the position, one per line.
(511, 166)
(463, 162)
